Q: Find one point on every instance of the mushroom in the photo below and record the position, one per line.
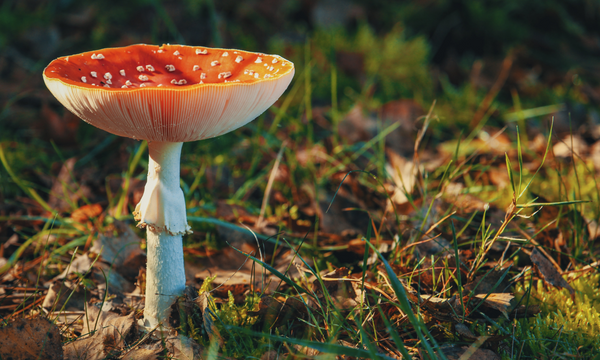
(166, 95)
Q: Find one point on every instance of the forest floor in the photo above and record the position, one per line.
(389, 205)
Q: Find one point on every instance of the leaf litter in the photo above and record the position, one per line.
(446, 218)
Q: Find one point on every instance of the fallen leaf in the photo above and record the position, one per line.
(464, 331)
(183, 348)
(486, 283)
(549, 271)
(570, 144)
(120, 247)
(86, 212)
(498, 301)
(273, 313)
(108, 334)
(404, 176)
(26, 339)
(90, 348)
(81, 265)
(65, 295)
(141, 354)
(113, 328)
(333, 286)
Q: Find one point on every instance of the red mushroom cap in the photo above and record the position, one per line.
(169, 93)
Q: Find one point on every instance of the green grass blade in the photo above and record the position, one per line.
(419, 326)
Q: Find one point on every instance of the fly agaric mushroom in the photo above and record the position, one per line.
(167, 95)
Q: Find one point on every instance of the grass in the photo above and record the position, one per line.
(400, 278)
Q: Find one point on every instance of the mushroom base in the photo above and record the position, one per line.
(165, 276)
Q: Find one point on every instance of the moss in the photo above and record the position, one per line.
(227, 318)
(566, 324)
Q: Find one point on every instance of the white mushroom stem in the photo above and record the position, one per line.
(165, 276)
(162, 211)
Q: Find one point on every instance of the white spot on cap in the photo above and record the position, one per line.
(203, 76)
(170, 67)
(94, 74)
(128, 82)
(274, 61)
(143, 78)
(239, 59)
(224, 75)
(108, 76)
(196, 67)
(97, 57)
(201, 82)
(258, 60)
(106, 85)
(159, 85)
(83, 79)
(109, 82)
(124, 87)
(268, 76)
(149, 67)
(159, 51)
(180, 82)
(201, 52)
(176, 53)
(256, 75)
(215, 63)
(142, 85)
(225, 54)
(271, 68)
(140, 68)
(122, 72)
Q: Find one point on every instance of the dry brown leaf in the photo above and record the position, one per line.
(26, 339)
(65, 294)
(333, 286)
(183, 348)
(464, 331)
(570, 144)
(550, 274)
(114, 330)
(122, 251)
(90, 348)
(108, 333)
(203, 302)
(273, 313)
(486, 283)
(86, 212)
(404, 176)
(82, 264)
(141, 354)
(497, 301)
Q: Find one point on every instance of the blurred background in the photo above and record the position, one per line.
(361, 66)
